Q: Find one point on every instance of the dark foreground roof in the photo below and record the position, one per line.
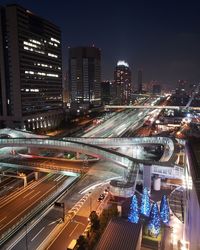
(120, 234)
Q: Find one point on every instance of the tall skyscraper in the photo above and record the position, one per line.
(182, 85)
(139, 85)
(122, 78)
(30, 70)
(85, 76)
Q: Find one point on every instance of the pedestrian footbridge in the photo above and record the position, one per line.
(96, 148)
(170, 145)
(100, 148)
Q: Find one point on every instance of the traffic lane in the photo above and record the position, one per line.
(81, 218)
(11, 213)
(74, 228)
(13, 197)
(75, 194)
(33, 236)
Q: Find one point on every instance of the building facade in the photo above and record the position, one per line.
(139, 82)
(85, 76)
(192, 196)
(105, 92)
(30, 70)
(156, 89)
(122, 79)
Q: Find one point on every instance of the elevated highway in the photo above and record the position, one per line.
(99, 148)
(170, 144)
(91, 146)
(150, 107)
(96, 148)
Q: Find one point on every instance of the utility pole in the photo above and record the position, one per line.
(63, 205)
(26, 237)
(90, 202)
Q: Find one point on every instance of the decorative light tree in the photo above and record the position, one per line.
(154, 221)
(164, 209)
(134, 214)
(145, 203)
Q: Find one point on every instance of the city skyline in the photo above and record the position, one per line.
(160, 38)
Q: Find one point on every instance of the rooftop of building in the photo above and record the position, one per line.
(32, 13)
(120, 234)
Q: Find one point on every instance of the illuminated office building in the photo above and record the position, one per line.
(122, 79)
(85, 76)
(30, 70)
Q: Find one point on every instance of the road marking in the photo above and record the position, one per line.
(53, 222)
(43, 194)
(34, 195)
(28, 194)
(3, 218)
(38, 233)
(74, 229)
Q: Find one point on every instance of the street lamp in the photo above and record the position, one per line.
(26, 238)
(90, 200)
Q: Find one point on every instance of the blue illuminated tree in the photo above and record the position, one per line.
(134, 214)
(145, 203)
(164, 210)
(154, 221)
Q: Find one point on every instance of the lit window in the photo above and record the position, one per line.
(41, 73)
(34, 41)
(52, 55)
(54, 40)
(30, 44)
(29, 72)
(53, 75)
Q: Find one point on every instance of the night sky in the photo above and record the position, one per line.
(160, 37)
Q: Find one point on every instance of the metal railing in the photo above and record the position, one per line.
(175, 172)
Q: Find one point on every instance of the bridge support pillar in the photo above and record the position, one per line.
(36, 175)
(33, 151)
(77, 155)
(147, 170)
(25, 181)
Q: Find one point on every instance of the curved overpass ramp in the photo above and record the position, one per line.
(170, 145)
(89, 149)
(131, 164)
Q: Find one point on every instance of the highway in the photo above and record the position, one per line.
(119, 124)
(13, 208)
(78, 223)
(95, 182)
(115, 126)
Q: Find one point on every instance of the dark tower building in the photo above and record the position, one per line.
(85, 76)
(122, 78)
(108, 92)
(181, 87)
(139, 86)
(30, 70)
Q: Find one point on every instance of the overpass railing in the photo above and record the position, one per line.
(81, 147)
(175, 172)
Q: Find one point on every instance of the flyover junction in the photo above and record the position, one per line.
(101, 148)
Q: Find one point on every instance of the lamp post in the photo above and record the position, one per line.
(63, 206)
(90, 200)
(26, 225)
